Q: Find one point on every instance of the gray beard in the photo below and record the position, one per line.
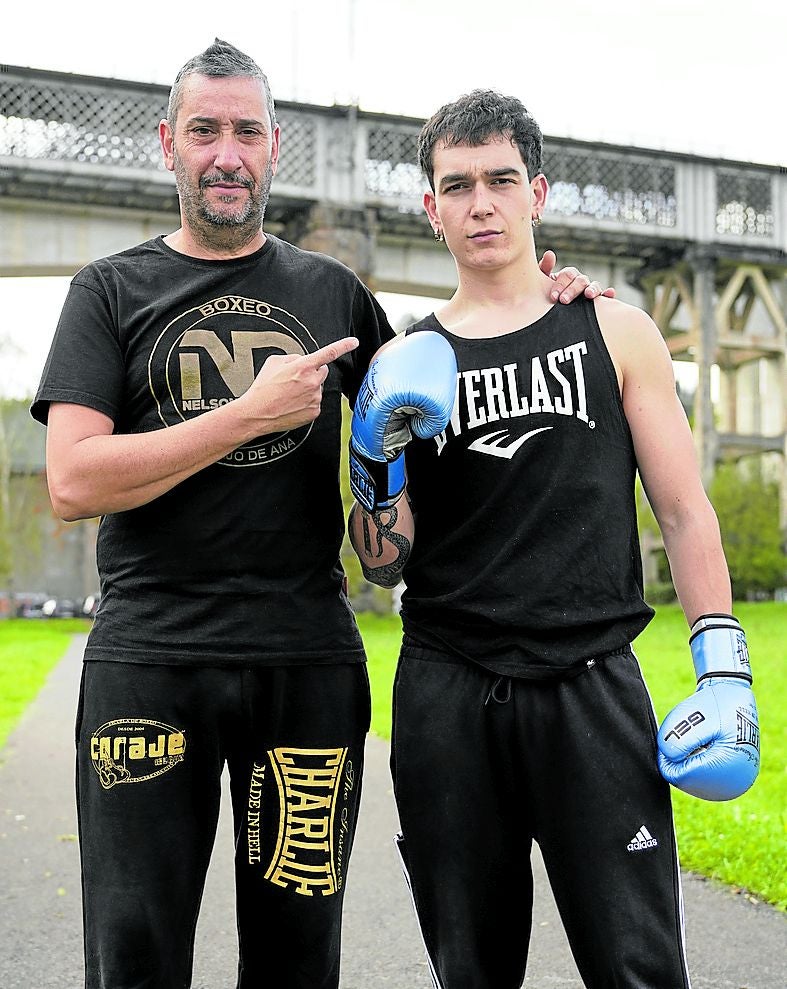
(216, 229)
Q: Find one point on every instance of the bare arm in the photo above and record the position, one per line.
(91, 471)
(667, 461)
(382, 540)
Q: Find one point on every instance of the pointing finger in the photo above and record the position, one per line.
(335, 350)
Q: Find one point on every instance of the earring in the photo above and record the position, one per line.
(536, 221)
(438, 235)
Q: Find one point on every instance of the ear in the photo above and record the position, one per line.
(430, 205)
(275, 144)
(540, 190)
(166, 138)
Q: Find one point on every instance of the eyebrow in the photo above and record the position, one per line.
(491, 173)
(213, 120)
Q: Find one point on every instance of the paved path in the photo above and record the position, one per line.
(732, 943)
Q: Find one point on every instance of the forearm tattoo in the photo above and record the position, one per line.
(387, 574)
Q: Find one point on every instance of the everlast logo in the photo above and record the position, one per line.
(210, 355)
(364, 399)
(748, 731)
(133, 750)
(553, 384)
(742, 651)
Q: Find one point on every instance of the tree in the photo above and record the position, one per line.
(747, 505)
(20, 481)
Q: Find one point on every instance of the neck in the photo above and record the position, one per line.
(491, 302)
(223, 244)
(513, 284)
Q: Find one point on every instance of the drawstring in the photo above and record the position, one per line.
(500, 697)
(500, 691)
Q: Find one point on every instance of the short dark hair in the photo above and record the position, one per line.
(220, 59)
(474, 119)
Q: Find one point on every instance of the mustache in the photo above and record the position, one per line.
(217, 178)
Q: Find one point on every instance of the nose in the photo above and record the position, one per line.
(482, 204)
(227, 157)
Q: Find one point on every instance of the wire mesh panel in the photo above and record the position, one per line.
(297, 161)
(609, 186)
(743, 203)
(79, 122)
(391, 165)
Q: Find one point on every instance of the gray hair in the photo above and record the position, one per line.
(221, 59)
(476, 118)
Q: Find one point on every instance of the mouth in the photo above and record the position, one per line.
(225, 186)
(484, 235)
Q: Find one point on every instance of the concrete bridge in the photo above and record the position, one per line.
(701, 243)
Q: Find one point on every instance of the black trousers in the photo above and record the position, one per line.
(152, 742)
(482, 766)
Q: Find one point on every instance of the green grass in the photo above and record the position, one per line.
(741, 842)
(29, 648)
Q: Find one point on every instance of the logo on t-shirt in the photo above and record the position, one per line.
(552, 385)
(210, 355)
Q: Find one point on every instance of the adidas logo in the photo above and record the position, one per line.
(642, 839)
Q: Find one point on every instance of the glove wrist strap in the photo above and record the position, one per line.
(376, 484)
(718, 648)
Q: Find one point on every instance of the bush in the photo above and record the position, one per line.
(747, 506)
(660, 592)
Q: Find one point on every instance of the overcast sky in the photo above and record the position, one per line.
(699, 76)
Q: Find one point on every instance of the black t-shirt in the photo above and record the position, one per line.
(526, 557)
(239, 564)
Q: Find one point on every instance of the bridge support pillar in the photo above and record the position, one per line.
(705, 436)
(343, 233)
(730, 317)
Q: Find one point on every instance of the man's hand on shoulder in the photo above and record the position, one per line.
(571, 282)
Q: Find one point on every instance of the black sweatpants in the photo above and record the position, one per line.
(152, 742)
(482, 766)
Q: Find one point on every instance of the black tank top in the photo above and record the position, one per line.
(526, 557)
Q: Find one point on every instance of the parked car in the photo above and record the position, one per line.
(65, 608)
(40, 605)
(31, 604)
(90, 605)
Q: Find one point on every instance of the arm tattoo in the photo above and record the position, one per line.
(388, 574)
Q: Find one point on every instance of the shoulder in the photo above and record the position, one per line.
(613, 315)
(630, 334)
(427, 323)
(121, 265)
(311, 260)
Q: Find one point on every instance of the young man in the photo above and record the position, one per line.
(192, 398)
(520, 712)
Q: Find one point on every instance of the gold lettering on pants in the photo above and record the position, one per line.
(134, 750)
(308, 785)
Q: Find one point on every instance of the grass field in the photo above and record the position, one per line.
(29, 648)
(742, 842)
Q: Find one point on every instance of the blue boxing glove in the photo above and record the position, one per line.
(709, 745)
(408, 390)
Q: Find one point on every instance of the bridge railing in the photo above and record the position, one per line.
(104, 132)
